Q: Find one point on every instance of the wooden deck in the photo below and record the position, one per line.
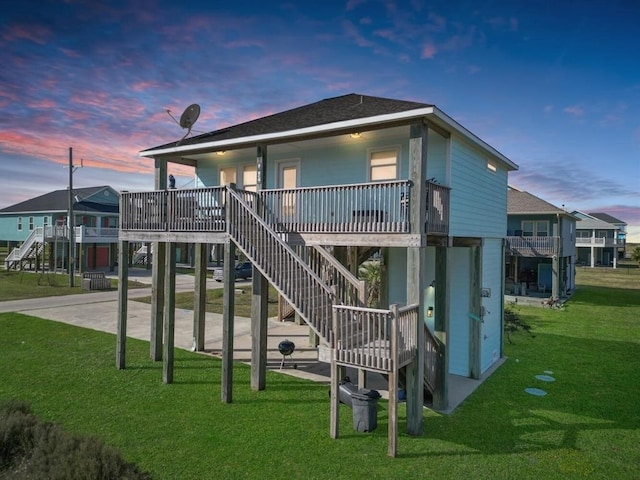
(347, 213)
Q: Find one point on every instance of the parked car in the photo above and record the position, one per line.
(243, 270)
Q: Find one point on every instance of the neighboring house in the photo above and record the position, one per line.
(598, 241)
(309, 194)
(621, 233)
(36, 229)
(540, 248)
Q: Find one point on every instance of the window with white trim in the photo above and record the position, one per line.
(19, 224)
(383, 165)
(535, 228)
(250, 177)
(45, 221)
(228, 175)
(30, 223)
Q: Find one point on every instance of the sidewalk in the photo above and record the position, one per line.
(101, 315)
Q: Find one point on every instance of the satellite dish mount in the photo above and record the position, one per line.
(187, 119)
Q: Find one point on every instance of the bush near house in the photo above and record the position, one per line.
(30, 448)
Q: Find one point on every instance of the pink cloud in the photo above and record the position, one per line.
(35, 33)
(386, 34)
(574, 110)
(70, 53)
(429, 50)
(43, 104)
(143, 86)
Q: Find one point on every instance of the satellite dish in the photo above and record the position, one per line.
(190, 116)
(187, 119)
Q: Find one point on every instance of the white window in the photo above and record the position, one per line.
(228, 175)
(250, 177)
(19, 224)
(30, 223)
(45, 221)
(383, 165)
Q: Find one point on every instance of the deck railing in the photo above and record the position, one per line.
(356, 208)
(533, 246)
(146, 211)
(596, 241)
(364, 336)
(381, 207)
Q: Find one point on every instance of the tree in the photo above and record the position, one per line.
(635, 254)
(371, 272)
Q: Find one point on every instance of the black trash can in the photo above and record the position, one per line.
(365, 410)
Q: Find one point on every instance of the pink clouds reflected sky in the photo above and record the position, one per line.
(558, 94)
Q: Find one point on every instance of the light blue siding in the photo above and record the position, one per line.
(9, 226)
(437, 157)
(459, 309)
(491, 336)
(397, 276)
(478, 195)
(335, 164)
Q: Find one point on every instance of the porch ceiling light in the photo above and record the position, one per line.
(221, 152)
(355, 135)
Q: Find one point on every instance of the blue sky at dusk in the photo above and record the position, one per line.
(553, 85)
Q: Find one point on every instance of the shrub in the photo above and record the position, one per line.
(30, 448)
(513, 323)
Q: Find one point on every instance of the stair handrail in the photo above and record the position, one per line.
(304, 307)
(18, 252)
(433, 359)
(344, 294)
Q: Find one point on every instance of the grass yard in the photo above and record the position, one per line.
(627, 275)
(16, 285)
(587, 426)
(242, 302)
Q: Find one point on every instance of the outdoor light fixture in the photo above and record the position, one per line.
(355, 135)
(430, 312)
(432, 284)
(221, 152)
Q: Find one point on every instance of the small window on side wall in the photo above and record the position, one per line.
(383, 165)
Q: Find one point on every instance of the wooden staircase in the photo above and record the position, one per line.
(326, 295)
(310, 280)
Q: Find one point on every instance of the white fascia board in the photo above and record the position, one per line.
(328, 127)
(441, 118)
(451, 123)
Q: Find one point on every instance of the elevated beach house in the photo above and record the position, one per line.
(600, 239)
(541, 247)
(36, 232)
(309, 194)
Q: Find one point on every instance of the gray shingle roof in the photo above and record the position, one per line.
(58, 201)
(605, 217)
(347, 107)
(521, 202)
(589, 222)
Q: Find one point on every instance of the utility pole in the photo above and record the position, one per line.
(70, 224)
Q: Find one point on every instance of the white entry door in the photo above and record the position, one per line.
(288, 179)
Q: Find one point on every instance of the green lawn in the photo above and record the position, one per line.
(15, 285)
(242, 301)
(587, 426)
